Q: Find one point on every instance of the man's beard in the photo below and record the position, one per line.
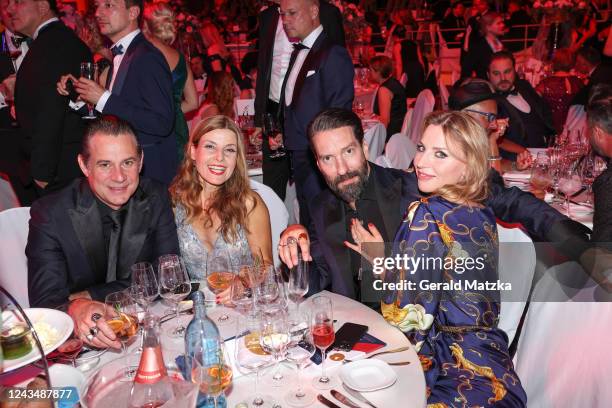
(505, 90)
(353, 191)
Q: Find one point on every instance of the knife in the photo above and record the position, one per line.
(358, 395)
(326, 402)
(343, 399)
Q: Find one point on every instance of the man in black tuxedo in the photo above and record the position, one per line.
(320, 76)
(84, 238)
(589, 63)
(139, 87)
(50, 132)
(362, 192)
(454, 20)
(530, 116)
(272, 62)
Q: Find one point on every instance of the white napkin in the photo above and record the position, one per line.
(524, 175)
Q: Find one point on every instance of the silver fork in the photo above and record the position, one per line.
(397, 350)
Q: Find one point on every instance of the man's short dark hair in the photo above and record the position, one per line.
(335, 118)
(53, 6)
(599, 107)
(503, 55)
(107, 125)
(589, 54)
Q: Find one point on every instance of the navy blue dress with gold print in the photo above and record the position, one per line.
(449, 313)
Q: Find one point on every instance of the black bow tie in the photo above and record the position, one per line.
(512, 91)
(117, 50)
(17, 40)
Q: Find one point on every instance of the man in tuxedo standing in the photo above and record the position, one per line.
(84, 238)
(273, 60)
(138, 87)
(319, 76)
(50, 132)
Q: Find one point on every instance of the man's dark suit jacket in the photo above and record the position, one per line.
(602, 219)
(324, 81)
(601, 75)
(51, 132)
(142, 95)
(397, 189)
(6, 69)
(476, 59)
(65, 246)
(331, 20)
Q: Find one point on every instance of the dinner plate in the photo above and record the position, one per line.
(60, 321)
(368, 375)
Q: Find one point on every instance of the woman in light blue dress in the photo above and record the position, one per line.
(216, 212)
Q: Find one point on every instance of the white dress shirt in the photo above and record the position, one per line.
(125, 43)
(23, 48)
(519, 102)
(281, 54)
(299, 61)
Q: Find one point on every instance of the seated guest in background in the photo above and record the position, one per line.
(560, 88)
(599, 116)
(409, 61)
(220, 96)
(215, 210)
(390, 102)
(476, 61)
(531, 123)
(360, 191)
(160, 29)
(454, 212)
(84, 239)
(590, 65)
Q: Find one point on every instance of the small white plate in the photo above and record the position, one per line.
(368, 375)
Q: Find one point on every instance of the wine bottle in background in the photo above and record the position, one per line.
(202, 343)
(152, 387)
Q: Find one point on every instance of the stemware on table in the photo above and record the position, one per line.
(214, 375)
(121, 317)
(174, 286)
(299, 279)
(271, 129)
(89, 70)
(323, 334)
(275, 337)
(570, 183)
(219, 278)
(299, 351)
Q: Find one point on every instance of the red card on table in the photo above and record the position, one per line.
(368, 343)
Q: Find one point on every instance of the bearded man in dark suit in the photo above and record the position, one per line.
(84, 238)
(50, 132)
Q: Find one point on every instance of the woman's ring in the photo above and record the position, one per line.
(89, 337)
(93, 331)
(302, 236)
(95, 317)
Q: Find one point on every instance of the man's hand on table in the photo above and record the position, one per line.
(287, 251)
(82, 312)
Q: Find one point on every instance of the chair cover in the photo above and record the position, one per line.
(278, 214)
(424, 104)
(375, 137)
(13, 261)
(576, 120)
(8, 198)
(398, 154)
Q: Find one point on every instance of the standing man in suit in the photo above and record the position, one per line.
(84, 239)
(139, 87)
(589, 64)
(50, 132)
(320, 76)
(273, 60)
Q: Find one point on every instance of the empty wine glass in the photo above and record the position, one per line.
(541, 177)
(300, 353)
(174, 286)
(274, 340)
(322, 329)
(144, 284)
(89, 70)
(569, 184)
(268, 291)
(298, 281)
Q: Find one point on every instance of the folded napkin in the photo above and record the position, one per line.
(516, 175)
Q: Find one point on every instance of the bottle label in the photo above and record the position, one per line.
(151, 368)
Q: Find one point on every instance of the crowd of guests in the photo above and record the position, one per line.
(136, 183)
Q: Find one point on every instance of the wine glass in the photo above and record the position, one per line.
(298, 281)
(271, 129)
(219, 278)
(569, 184)
(212, 374)
(322, 329)
(274, 340)
(121, 317)
(300, 353)
(268, 291)
(242, 292)
(174, 286)
(144, 284)
(249, 355)
(89, 70)
(541, 177)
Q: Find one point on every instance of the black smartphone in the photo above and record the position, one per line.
(348, 335)
(73, 95)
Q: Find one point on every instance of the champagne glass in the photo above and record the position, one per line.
(300, 353)
(569, 184)
(174, 286)
(271, 129)
(121, 317)
(249, 356)
(322, 329)
(298, 281)
(219, 279)
(89, 70)
(213, 374)
(274, 340)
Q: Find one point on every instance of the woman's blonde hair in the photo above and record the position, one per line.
(229, 202)
(463, 132)
(221, 92)
(159, 22)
